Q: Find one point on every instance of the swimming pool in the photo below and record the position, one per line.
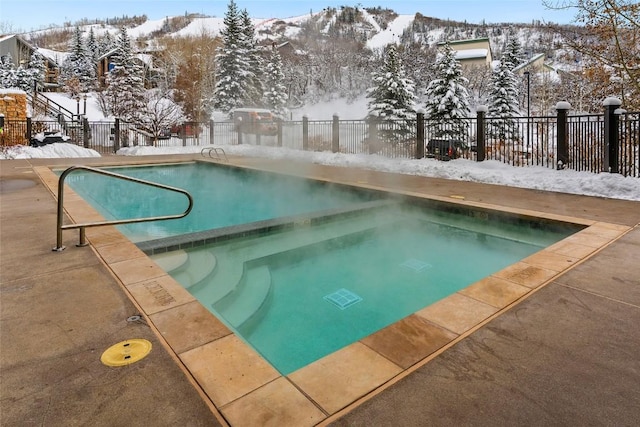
(320, 281)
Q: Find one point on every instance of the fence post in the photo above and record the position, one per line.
(335, 134)
(29, 129)
(211, 129)
(279, 133)
(611, 141)
(420, 134)
(305, 133)
(86, 132)
(562, 145)
(372, 132)
(116, 136)
(481, 132)
(184, 134)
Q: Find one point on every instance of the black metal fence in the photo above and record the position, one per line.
(608, 142)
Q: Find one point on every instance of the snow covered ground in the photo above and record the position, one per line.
(490, 172)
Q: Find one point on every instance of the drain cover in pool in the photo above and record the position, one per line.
(343, 298)
(416, 264)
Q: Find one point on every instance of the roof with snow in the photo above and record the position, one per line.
(466, 41)
(471, 53)
(531, 62)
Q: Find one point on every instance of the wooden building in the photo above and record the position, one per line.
(21, 51)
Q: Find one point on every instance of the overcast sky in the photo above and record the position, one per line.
(25, 15)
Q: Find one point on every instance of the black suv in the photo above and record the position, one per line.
(445, 149)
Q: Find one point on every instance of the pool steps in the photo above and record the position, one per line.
(247, 299)
(187, 268)
(171, 261)
(233, 258)
(236, 291)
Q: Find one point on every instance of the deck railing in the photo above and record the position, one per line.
(608, 142)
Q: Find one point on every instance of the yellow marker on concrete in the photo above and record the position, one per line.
(126, 352)
(455, 196)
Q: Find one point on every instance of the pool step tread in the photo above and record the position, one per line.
(171, 261)
(193, 270)
(241, 304)
(223, 280)
(232, 257)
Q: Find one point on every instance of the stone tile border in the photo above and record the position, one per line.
(248, 390)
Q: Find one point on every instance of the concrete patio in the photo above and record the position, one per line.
(566, 354)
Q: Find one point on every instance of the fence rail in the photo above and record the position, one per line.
(608, 142)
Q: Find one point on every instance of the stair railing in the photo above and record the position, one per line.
(214, 151)
(60, 226)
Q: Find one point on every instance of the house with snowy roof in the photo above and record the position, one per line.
(21, 51)
(145, 60)
(533, 64)
(472, 52)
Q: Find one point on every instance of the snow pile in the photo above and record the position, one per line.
(49, 151)
(42, 136)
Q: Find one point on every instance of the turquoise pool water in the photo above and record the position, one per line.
(396, 270)
(323, 281)
(224, 196)
(299, 294)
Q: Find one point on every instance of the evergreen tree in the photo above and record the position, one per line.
(78, 71)
(275, 94)
(232, 87)
(93, 48)
(37, 68)
(106, 44)
(254, 73)
(23, 79)
(7, 72)
(124, 94)
(392, 100)
(513, 54)
(503, 105)
(447, 104)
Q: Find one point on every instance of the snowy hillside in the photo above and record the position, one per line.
(376, 27)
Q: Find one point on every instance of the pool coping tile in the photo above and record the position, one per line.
(590, 236)
(457, 312)
(408, 341)
(136, 270)
(107, 235)
(116, 252)
(188, 326)
(278, 403)
(228, 369)
(573, 249)
(551, 260)
(159, 294)
(527, 275)
(355, 370)
(495, 291)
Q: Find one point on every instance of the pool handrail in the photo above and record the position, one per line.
(217, 151)
(59, 247)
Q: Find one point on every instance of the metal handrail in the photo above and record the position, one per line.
(59, 247)
(217, 151)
